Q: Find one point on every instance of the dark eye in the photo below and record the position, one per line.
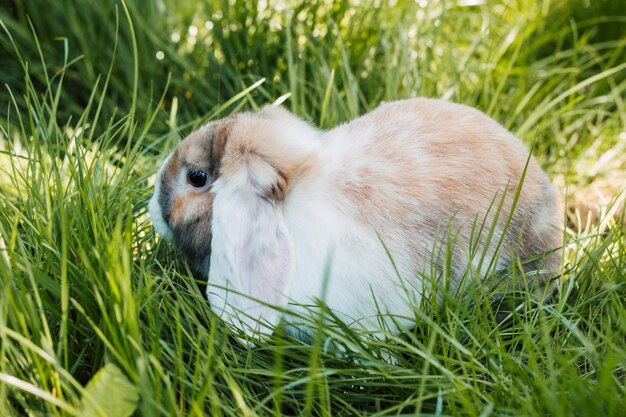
(197, 178)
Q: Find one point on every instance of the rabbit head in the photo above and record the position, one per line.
(221, 190)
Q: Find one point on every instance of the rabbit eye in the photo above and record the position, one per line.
(197, 178)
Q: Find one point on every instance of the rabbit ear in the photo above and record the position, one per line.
(251, 265)
(251, 254)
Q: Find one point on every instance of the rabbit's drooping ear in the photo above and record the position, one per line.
(251, 250)
(251, 260)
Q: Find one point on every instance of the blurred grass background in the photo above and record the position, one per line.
(94, 93)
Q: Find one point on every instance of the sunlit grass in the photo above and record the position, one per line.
(85, 282)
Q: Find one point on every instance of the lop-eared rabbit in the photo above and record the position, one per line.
(277, 213)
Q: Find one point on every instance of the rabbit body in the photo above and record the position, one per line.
(356, 216)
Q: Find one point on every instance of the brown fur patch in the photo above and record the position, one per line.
(204, 148)
(220, 133)
(177, 211)
(278, 190)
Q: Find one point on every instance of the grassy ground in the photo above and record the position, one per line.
(94, 93)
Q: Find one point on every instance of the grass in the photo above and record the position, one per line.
(87, 111)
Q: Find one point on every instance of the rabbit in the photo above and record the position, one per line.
(277, 213)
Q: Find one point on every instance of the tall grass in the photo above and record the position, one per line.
(88, 111)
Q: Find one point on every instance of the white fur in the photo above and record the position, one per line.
(245, 267)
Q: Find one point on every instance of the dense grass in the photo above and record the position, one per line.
(87, 111)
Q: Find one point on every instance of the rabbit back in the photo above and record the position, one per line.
(398, 185)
